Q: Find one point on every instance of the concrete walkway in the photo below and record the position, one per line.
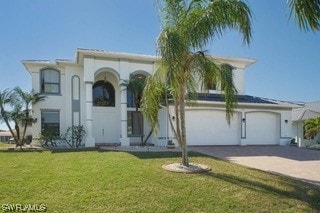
(300, 163)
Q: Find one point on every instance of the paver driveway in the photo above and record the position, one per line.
(296, 162)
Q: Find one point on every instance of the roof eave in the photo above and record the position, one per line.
(241, 63)
(282, 106)
(81, 53)
(28, 63)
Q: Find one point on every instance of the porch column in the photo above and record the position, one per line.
(90, 140)
(124, 140)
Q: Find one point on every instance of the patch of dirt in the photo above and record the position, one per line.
(192, 168)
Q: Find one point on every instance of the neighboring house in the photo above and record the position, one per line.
(92, 91)
(5, 136)
(299, 115)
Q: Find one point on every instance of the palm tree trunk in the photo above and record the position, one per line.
(176, 110)
(8, 125)
(11, 131)
(170, 120)
(19, 142)
(147, 138)
(185, 159)
(25, 124)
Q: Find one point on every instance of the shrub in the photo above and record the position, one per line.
(74, 136)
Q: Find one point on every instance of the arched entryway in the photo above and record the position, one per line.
(106, 107)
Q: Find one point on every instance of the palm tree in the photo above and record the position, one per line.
(188, 27)
(136, 85)
(306, 13)
(25, 99)
(312, 127)
(16, 116)
(19, 103)
(5, 115)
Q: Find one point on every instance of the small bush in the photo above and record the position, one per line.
(74, 136)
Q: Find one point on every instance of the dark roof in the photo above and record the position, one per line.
(241, 98)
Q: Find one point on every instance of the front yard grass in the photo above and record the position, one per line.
(108, 181)
(4, 145)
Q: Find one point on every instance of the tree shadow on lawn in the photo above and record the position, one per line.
(50, 149)
(79, 149)
(139, 154)
(20, 150)
(304, 192)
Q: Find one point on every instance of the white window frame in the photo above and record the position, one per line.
(43, 83)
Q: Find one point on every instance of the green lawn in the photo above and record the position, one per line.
(4, 145)
(106, 181)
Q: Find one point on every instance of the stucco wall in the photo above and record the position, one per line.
(206, 125)
(239, 79)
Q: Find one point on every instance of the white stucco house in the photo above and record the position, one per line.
(91, 90)
(299, 115)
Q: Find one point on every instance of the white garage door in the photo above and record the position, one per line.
(209, 127)
(262, 128)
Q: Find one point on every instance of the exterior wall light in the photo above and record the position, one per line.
(286, 121)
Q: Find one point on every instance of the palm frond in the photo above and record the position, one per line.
(306, 13)
(153, 94)
(27, 98)
(229, 90)
(206, 22)
(173, 11)
(312, 127)
(172, 47)
(5, 97)
(136, 85)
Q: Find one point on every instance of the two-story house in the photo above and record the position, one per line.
(92, 90)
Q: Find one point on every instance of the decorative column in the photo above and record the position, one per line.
(90, 140)
(124, 140)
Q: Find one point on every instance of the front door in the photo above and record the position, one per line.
(104, 127)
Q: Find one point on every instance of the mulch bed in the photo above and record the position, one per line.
(191, 169)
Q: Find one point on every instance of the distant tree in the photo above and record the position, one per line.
(312, 127)
(306, 13)
(136, 85)
(15, 106)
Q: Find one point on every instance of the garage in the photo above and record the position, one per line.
(209, 127)
(262, 128)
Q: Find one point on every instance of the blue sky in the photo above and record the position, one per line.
(288, 66)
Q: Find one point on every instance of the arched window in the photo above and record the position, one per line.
(103, 94)
(50, 81)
